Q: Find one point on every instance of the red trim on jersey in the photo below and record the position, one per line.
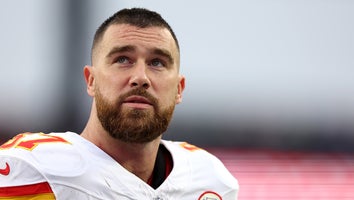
(209, 192)
(149, 182)
(38, 188)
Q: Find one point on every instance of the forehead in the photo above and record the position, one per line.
(150, 37)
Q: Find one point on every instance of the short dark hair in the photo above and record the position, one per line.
(139, 17)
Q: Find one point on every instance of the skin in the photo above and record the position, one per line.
(126, 58)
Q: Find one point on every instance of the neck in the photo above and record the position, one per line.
(138, 159)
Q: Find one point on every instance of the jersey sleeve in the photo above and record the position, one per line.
(20, 180)
(219, 171)
(208, 174)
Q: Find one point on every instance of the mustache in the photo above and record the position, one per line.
(138, 92)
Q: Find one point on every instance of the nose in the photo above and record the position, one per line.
(139, 77)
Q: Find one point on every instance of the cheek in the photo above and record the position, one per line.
(111, 80)
(168, 93)
(109, 88)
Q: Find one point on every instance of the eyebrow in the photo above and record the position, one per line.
(120, 49)
(131, 48)
(164, 53)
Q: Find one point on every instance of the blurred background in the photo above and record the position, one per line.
(275, 74)
(269, 83)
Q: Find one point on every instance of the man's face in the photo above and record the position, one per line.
(135, 82)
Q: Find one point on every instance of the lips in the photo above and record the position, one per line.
(137, 100)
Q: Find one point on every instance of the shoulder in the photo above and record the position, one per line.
(53, 153)
(190, 151)
(203, 165)
(29, 141)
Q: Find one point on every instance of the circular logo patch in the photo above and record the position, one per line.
(210, 196)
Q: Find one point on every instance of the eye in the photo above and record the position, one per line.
(122, 60)
(157, 63)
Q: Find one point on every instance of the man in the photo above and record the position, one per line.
(135, 84)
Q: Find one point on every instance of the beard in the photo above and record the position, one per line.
(133, 125)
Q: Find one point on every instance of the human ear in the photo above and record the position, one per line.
(180, 88)
(90, 80)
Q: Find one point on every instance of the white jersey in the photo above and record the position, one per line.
(66, 166)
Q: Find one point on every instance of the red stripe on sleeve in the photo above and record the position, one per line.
(38, 188)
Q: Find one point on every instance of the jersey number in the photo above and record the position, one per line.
(19, 141)
(189, 147)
